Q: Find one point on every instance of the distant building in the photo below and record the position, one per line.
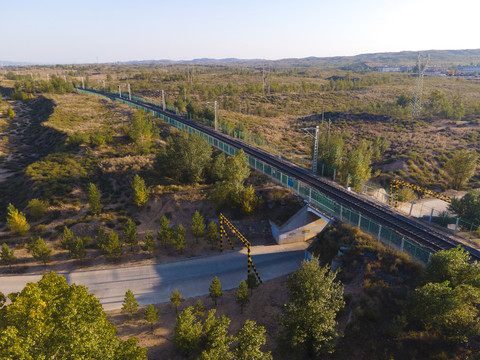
(389, 69)
(468, 70)
(435, 71)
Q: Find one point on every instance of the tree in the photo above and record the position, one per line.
(232, 191)
(199, 308)
(37, 208)
(215, 290)
(94, 199)
(217, 340)
(151, 315)
(212, 235)
(447, 311)
(164, 234)
(77, 249)
(11, 113)
(309, 321)
(453, 266)
(197, 226)
(184, 157)
(179, 240)
(237, 169)
(67, 238)
(16, 221)
(149, 243)
(130, 304)
(41, 251)
(252, 282)
(113, 246)
(187, 331)
(101, 238)
(461, 167)
(250, 338)
(219, 167)
(241, 297)
(140, 191)
(130, 233)
(176, 299)
(37, 325)
(357, 165)
(143, 131)
(7, 256)
(468, 207)
(330, 150)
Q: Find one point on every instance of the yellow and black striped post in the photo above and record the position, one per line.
(243, 240)
(221, 235)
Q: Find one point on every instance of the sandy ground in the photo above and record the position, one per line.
(265, 307)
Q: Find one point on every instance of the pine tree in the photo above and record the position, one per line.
(113, 247)
(176, 299)
(164, 234)
(252, 282)
(41, 251)
(199, 308)
(140, 191)
(188, 331)
(151, 315)
(16, 221)
(149, 243)
(7, 256)
(212, 235)
(101, 238)
(67, 238)
(179, 240)
(77, 249)
(130, 305)
(197, 226)
(130, 232)
(241, 296)
(250, 338)
(215, 290)
(94, 199)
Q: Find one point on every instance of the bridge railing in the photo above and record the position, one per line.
(323, 203)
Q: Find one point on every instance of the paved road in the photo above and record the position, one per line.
(152, 284)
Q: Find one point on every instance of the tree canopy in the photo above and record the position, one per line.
(310, 318)
(184, 157)
(52, 319)
(461, 167)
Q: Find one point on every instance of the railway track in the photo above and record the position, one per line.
(422, 234)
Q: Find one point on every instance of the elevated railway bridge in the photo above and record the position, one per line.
(407, 235)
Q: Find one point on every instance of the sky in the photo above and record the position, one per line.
(86, 31)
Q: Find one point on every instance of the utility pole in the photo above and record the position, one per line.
(313, 132)
(119, 91)
(263, 80)
(323, 114)
(216, 122)
(163, 100)
(83, 84)
(104, 86)
(269, 79)
(129, 92)
(328, 138)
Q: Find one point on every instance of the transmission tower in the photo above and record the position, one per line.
(422, 63)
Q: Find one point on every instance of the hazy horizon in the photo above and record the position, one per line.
(58, 32)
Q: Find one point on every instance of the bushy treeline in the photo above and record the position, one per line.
(26, 87)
